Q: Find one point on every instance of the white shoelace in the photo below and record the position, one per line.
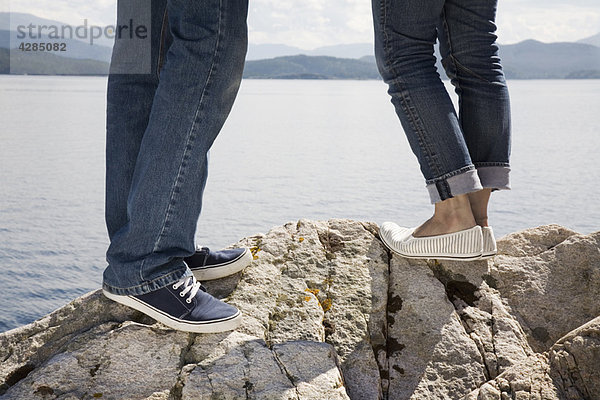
(190, 285)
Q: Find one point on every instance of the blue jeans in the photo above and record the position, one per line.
(160, 126)
(460, 153)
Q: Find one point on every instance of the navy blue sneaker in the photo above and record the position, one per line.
(184, 306)
(208, 265)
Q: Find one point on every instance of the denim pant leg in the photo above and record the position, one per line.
(405, 34)
(198, 84)
(129, 101)
(470, 56)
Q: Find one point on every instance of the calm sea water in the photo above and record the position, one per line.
(290, 150)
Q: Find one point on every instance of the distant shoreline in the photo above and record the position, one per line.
(528, 60)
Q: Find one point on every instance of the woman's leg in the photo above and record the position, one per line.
(450, 215)
(479, 206)
(405, 33)
(470, 56)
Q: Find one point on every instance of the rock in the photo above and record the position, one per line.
(574, 361)
(551, 284)
(321, 281)
(142, 360)
(568, 371)
(235, 366)
(534, 241)
(528, 379)
(429, 351)
(24, 348)
(330, 314)
(312, 368)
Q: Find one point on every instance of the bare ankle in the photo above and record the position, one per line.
(482, 221)
(455, 212)
(456, 221)
(479, 204)
(451, 215)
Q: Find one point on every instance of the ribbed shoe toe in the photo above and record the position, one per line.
(490, 248)
(464, 245)
(392, 233)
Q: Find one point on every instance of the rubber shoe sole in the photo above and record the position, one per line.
(487, 256)
(223, 270)
(212, 326)
(489, 243)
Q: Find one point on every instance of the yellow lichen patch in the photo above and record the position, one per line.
(301, 240)
(97, 395)
(254, 250)
(307, 298)
(326, 305)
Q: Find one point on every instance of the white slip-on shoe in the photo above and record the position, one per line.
(489, 243)
(465, 245)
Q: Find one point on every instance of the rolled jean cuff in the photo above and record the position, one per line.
(466, 181)
(150, 286)
(494, 177)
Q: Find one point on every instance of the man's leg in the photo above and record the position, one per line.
(129, 100)
(195, 93)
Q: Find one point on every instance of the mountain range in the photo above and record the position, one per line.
(593, 40)
(266, 51)
(536, 60)
(529, 59)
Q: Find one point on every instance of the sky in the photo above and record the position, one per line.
(313, 23)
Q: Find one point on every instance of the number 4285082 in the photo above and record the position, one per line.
(24, 46)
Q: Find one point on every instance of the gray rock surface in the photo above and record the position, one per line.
(550, 278)
(330, 314)
(568, 370)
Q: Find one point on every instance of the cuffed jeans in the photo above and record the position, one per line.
(160, 126)
(461, 153)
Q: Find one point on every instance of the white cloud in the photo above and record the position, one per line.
(552, 22)
(310, 23)
(97, 12)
